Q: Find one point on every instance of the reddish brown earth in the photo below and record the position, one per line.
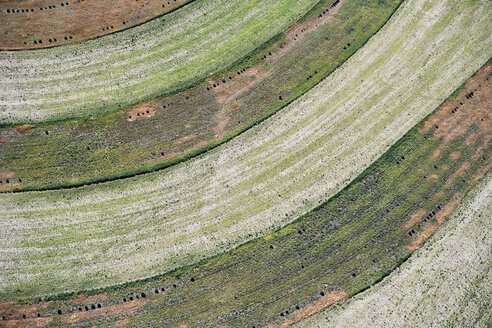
(312, 309)
(24, 23)
(472, 107)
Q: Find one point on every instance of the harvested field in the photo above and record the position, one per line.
(448, 283)
(340, 248)
(155, 59)
(109, 233)
(140, 138)
(34, 24)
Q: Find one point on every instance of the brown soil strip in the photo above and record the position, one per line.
(120, 323)
(228, 91)
(455, 155)
(311, 309)
(415, 218)
(432, 177)
(10, 186)
(471, 107)
(465, 166)
(184, 139)
(17, 310)
(24, 128)
(14, 312)
(109, 310)
(431, 227)
(141, 111)
(27, 22)
(6, 175)
(28, 322)
(6, 182)
(166, 156)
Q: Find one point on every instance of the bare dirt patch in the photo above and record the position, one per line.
(141, 111)
(415, 218)
(312, 309)
(6, 181)
(184, 139)
(431, 227)
(17, 310)
(33, 24)
(432, 177)
(10, 186)
(3, 141)
(24, 128)
(7, 174)
(109, 310)
(461, 170)
(28, 322)
(228, 91)
(455, 155)
(166, 156)
(14, 313)
(121, 323)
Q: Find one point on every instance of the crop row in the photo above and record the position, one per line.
(448, 283)
(342, 247)
(156, 134)
(154, 59)
(109, 233)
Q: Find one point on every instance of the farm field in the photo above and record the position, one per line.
(154, 59)
(447, 283)
(340, 248)
(91, 237)
(159, 133)
(27, 22)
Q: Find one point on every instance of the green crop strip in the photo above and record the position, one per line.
(348, 243)
(148, 61)
(108, 147)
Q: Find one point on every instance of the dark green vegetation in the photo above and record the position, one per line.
(178, 127)
(347, 243)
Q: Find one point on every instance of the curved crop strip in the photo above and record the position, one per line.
(28, 24)
(342, 247)
(128, 229)
(154, 59)
(446, 284)
(160, 133)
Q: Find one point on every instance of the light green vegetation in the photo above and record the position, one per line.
(157, 58)
(447, 283)
(78, 152)
(129, 229)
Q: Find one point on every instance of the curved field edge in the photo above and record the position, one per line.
(152, 60)
(133, 142)
(62, 25)
(260, 181)
(345, 245)
(447, 283)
